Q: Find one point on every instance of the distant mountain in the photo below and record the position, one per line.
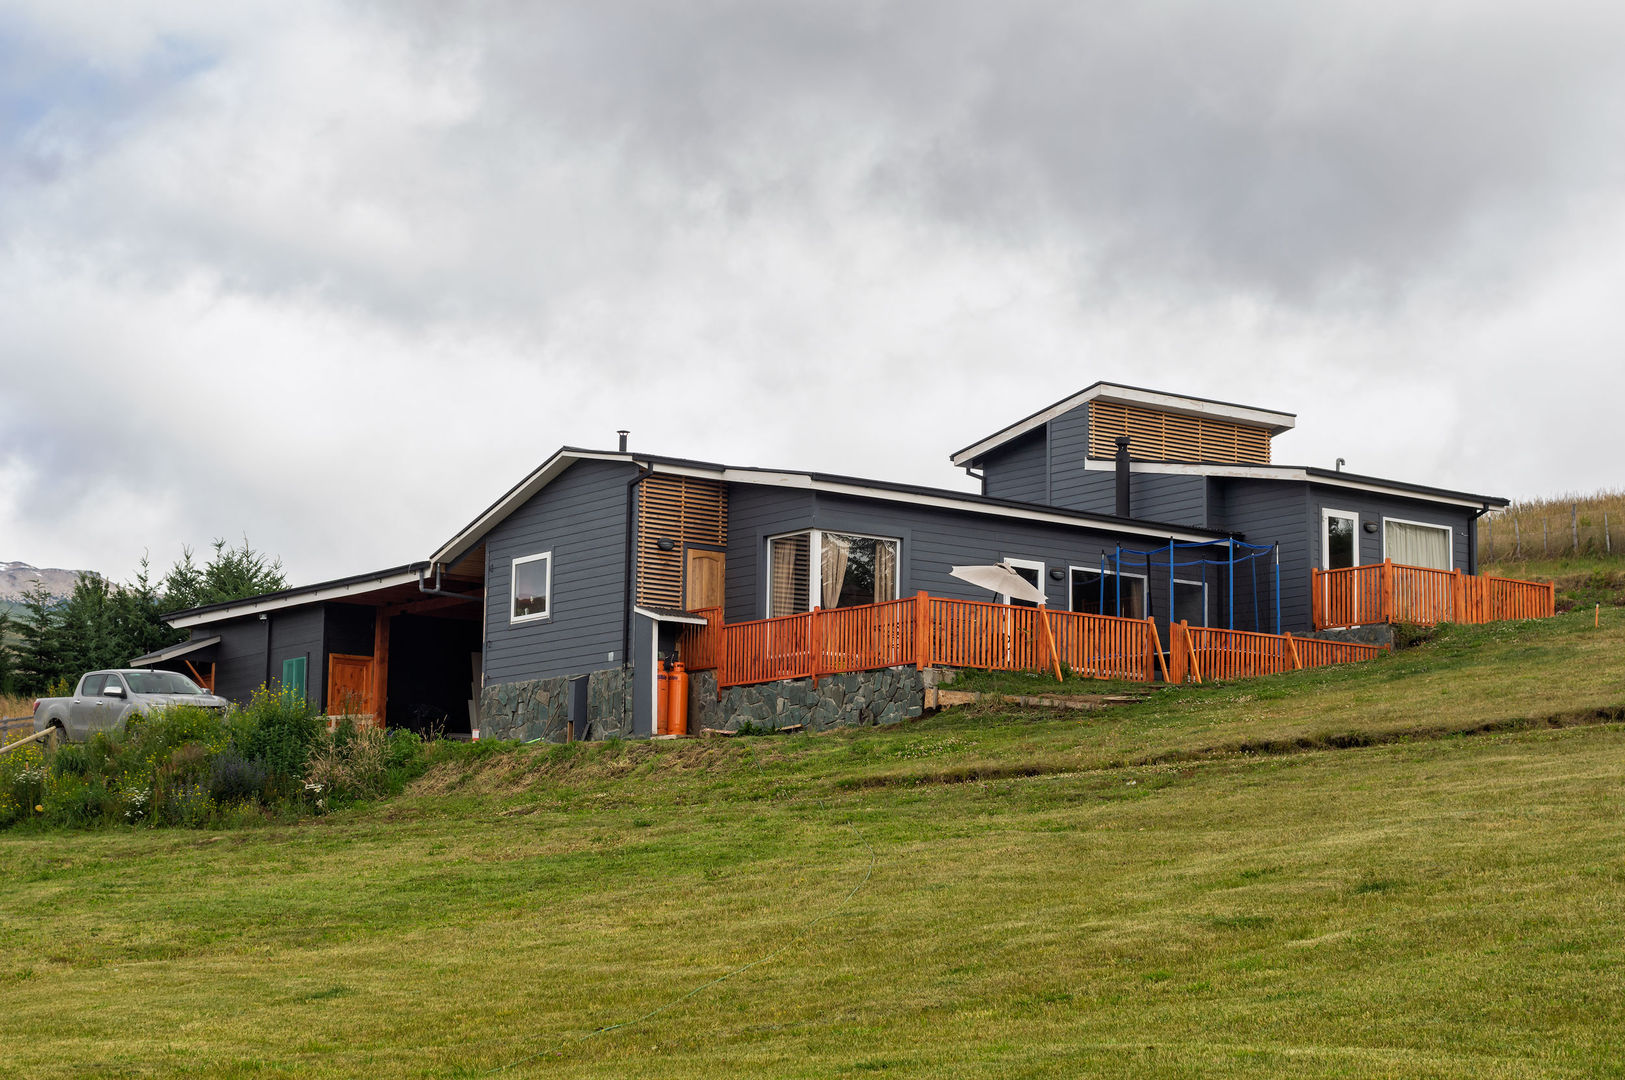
(17, 578)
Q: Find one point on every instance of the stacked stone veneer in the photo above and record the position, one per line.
(1375, 634)
(540, 708)
(859, 699)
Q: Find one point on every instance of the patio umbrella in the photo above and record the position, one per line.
(1003, 579)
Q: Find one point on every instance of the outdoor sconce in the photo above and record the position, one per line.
(666, 543)
(1370, 526)
(1057, 574)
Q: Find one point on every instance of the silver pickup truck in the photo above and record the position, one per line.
(105, 701)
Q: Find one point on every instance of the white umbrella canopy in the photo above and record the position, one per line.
(1000, 578)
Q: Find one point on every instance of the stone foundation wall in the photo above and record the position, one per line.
(1377, 634)
(540, 708)
(859, 699)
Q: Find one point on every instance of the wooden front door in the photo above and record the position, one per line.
(349, 685)
(704, 579)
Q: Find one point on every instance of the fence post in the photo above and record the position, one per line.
(1458, 597)
(922, 631)
(1387, 586)
(1607, 541)
(1574, 525)
(815, 645)
(1545, 538)
(1517, 539)
(1292, 647)
(1156, 647)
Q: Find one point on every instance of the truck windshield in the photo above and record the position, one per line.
(160, 682)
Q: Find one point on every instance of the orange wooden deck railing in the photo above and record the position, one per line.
(1201, 653)
(920, 631)
(1389, 592)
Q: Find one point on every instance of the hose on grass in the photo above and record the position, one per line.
(674, 1002)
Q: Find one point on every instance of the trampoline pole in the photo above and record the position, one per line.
(1117, 578)
(1170, 584)
(1102, 583)
(1231, 576)
(1277, 586)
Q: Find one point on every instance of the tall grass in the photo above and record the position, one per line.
(1559, 526)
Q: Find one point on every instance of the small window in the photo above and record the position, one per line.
(92, 685)
(532, 587)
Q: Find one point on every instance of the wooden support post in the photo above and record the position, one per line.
(1196, 665)
(1292, 647)
(1049, 642)
(380, 663)
(1574, 525)
(1156, 645)
(1387, 586)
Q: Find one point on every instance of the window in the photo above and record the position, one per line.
(1339, 539)
(92, 685)
(1412, 543)
(161, 682)
(293, 677)
(1190, 602)
(849, 571)
(532, 587)
(1097, 593)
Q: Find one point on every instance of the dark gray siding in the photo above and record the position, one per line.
(754, 514)
(297, 632)
(1070, 484)
(240, 656)
(581, 518)
(1265, 512)
(1373, 508)
(1019, 470)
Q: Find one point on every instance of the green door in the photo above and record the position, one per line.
(293, 677)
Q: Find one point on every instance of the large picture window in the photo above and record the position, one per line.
(818, 568)
(532, 587)
(1412, 543)
(1096, 593)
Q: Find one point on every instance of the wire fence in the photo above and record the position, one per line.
(1552, 530)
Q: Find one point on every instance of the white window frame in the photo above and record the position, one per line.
(513, 588)
(1326, 515)
(1028, 564)
(1449, 529)
(815, 564)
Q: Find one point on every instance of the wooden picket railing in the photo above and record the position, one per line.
(1388, 592)
(920, 631)
(1204, 653)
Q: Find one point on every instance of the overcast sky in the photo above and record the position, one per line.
(336, 275)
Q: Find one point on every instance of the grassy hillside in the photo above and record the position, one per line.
(1408, 868)
(1541, 530)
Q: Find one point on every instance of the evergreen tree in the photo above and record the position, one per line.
(40, 657)
(8, 659)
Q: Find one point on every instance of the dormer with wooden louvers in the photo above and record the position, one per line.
(1061, 455)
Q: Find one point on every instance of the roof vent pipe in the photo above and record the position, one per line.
(623, 433)
(1122, 477)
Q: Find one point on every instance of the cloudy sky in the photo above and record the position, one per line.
(334, 275)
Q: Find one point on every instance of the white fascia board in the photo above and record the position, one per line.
(1249, 472)
(944, 502)
(459, 545)
(182, 649)
(335, 592)
(1273, 422)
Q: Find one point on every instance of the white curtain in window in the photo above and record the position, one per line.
(787, 556)
(885, 570)
(1417, 545)
(833, 568)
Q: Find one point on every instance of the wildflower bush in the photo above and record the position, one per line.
(193, 767)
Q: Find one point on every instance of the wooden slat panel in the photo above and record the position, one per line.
(1160, 436)
(686, 511)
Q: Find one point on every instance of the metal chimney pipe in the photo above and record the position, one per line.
(623, 433)
(1122, 477)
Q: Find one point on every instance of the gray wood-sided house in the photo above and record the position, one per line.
(545, 616)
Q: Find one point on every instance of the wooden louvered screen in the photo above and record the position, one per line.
(1160, 436)
(686, 511)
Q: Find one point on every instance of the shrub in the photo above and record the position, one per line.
(278, 731)
(235, 779)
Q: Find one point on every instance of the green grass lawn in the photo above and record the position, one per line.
(1413, 867)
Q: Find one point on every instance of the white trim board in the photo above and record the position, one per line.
(310, 596)
(514, 564)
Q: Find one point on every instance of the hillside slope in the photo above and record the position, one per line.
(1407, 868)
